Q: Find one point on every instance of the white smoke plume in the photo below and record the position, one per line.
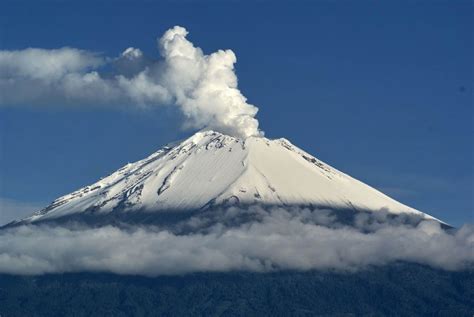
(277, 239)
(204, 87)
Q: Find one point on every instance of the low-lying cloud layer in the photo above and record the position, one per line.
(266, 240)
(203, 87)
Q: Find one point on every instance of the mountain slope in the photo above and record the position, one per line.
(211, 169)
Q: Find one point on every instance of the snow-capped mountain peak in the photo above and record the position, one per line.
(212, 169)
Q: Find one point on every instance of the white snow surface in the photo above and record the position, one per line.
(210, 168)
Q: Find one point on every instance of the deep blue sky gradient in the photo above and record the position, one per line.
(382, 90)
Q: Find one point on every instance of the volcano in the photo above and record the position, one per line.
(218, 225)
(209, 170)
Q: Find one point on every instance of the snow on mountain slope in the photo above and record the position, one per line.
(210, 168)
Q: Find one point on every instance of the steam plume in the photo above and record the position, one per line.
(204, 87)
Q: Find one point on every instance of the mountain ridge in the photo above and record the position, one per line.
(212, 169)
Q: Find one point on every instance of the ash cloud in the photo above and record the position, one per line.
(203, 87)
(265, 240)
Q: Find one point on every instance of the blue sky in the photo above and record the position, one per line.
(381, 91)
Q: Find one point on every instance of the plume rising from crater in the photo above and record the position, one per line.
(203, 87)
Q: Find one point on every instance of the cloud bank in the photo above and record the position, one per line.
(203, 87)
(269, 240)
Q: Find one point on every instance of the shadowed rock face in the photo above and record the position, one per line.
(210, 171)
(183, 222)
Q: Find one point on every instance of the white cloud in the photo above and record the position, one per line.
(275, 239)
(204, 87)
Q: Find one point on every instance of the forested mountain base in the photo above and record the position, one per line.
(395, 290)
